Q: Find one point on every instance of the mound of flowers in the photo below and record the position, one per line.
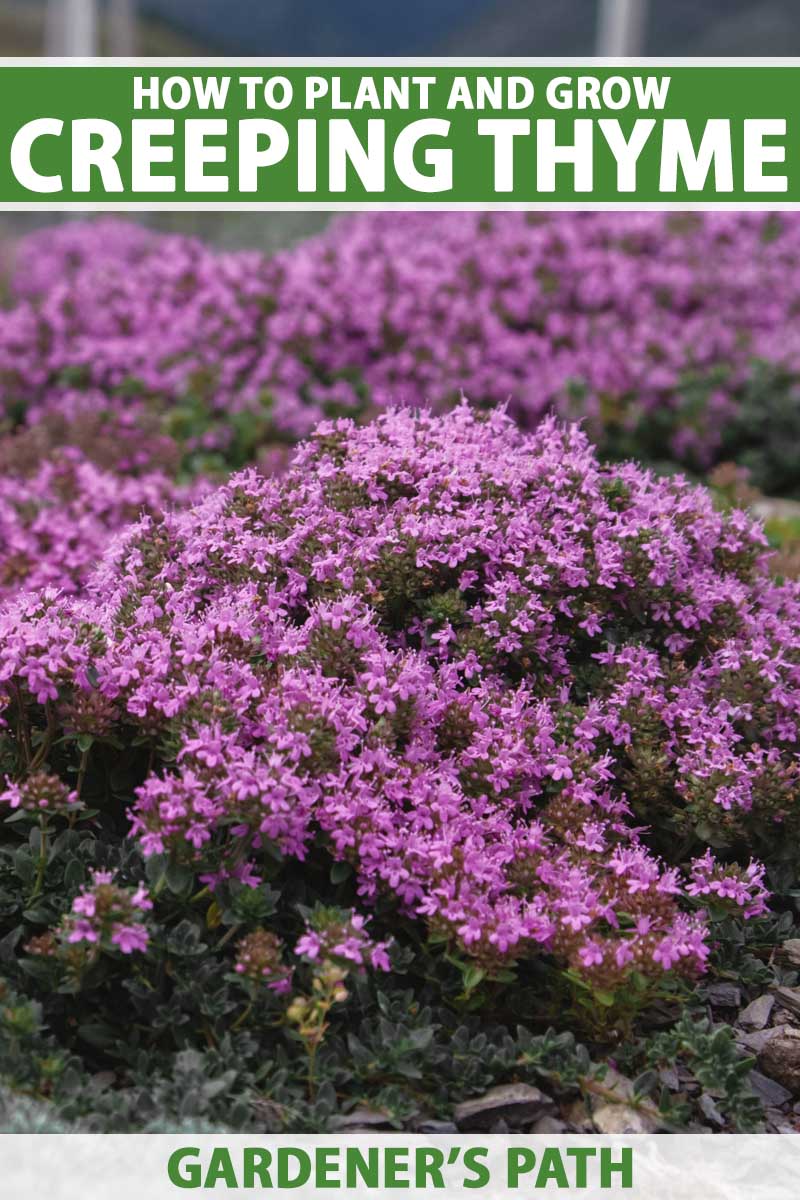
(77, 473)
(121, 367)
(497, 679)
(673, 337)
(162, 323)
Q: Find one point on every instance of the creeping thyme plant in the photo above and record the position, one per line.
(363, 746)
(443, 703)
(135, 365)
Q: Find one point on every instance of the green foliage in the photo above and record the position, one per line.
(172, 1039)
(408, 1060)
(764, 431)
(711, 1055)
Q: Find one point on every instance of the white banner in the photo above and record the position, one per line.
(155, 1167)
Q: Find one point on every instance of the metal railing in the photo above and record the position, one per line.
(72, 28)
(621, 26)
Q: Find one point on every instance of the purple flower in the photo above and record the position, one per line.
(585, 315)
(492, 785)
(130, 938)
(82, 931)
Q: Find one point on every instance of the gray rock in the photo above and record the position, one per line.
(777, 1122)
(362, 1118)
(577, 1117)
(435, 1127)
(788, 998)
(754, 1043)
(709, 1109)
(791, 948)
(756, 1015)
(516, 1104)
(669, 1078)
(548, 1125)
(620, 1115)
(780, 1059)
(769, 1092)
(622, 1118)
(724, 995)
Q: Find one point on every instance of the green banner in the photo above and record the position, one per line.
(376, 134)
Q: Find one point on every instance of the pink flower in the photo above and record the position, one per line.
(130, 938)
(485, 785)
(82, 931)
(85, 904)
(591, 955)
(141, 899)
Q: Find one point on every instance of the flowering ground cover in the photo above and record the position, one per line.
(449, 735)
(669, 334)
(156, 361)
(363, 748)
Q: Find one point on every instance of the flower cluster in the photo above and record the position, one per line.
(258, 960)
(41, 793)
(498, 679)
(79, 470)
(154, 323)
(132, 360)
(108, 917)
(743, 887)
(335, 944)
(65, 249)
(56, 521)
(646, 325)
(330, 936)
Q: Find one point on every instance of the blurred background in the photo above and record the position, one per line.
(305, 28)
(416, 27)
